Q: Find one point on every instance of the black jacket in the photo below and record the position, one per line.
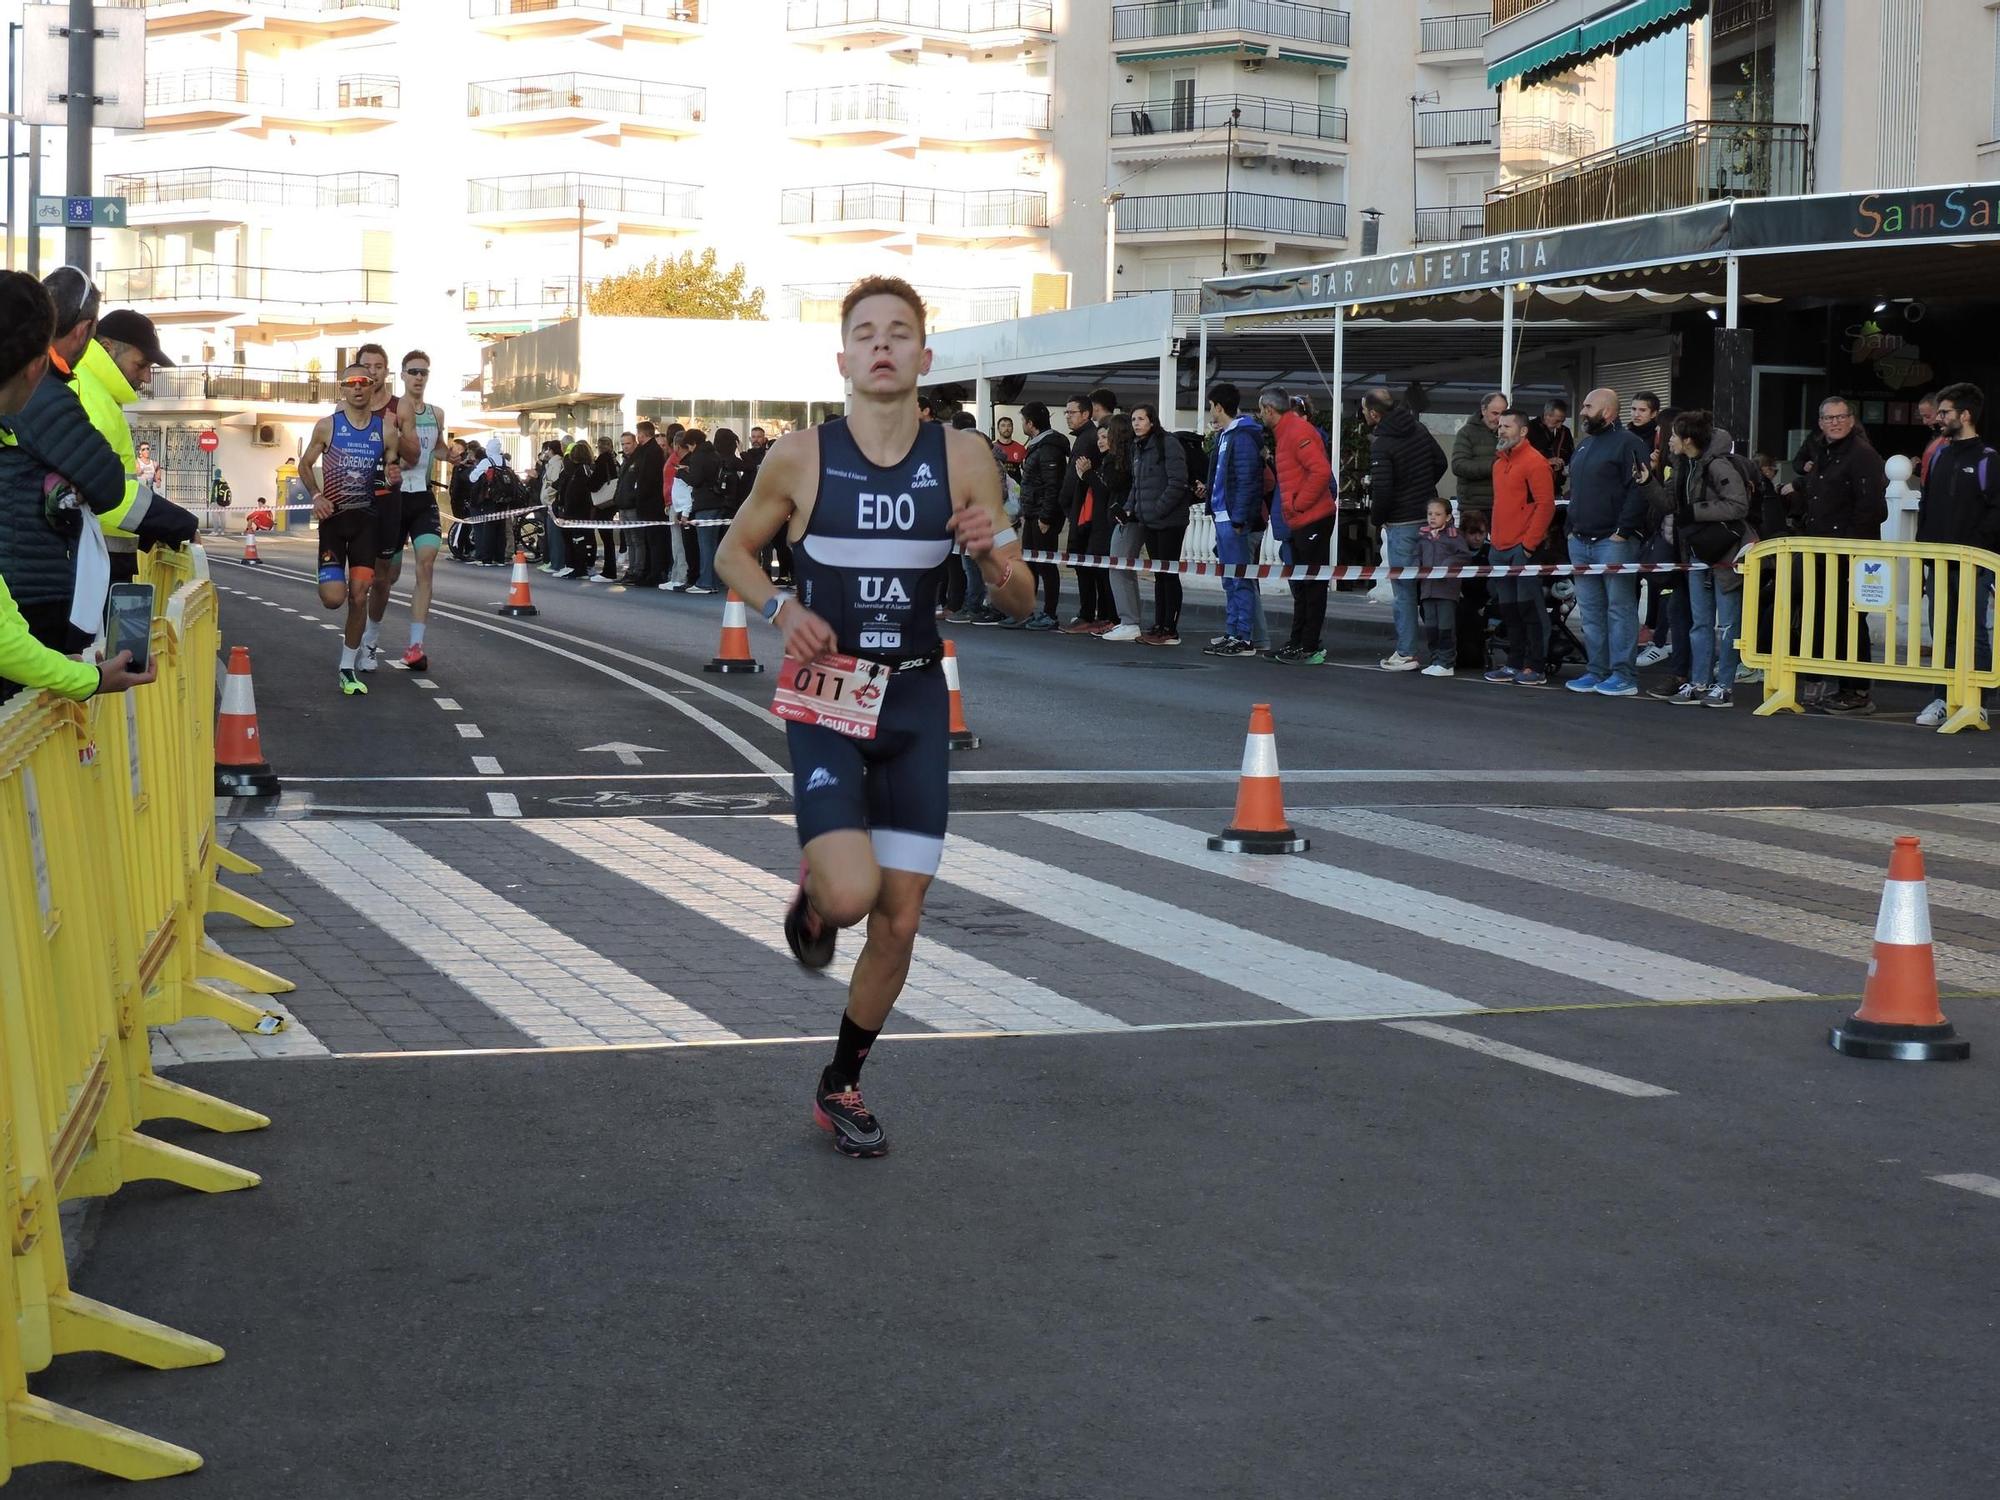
(573, 489)
(1961, 504)
(52, 435)
(1841, 489)
(1405, 464)
(1159, 481)
(717, 480)
(1042, 478)
(603, 471)
(1082, 444)
(647, 472)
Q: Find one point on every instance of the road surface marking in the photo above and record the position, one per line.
(1791, 925)
(427, 684)
(551, 986)
(470, 732)
(948, 988)
(449, 705)
(1508, 1052)
(1983, 851)
(1864, 880)
(486, 765)
(1972, 1182)
(1299, 979)
(504, 804)
(1427, 914)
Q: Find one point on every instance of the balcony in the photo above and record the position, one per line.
(272, 298)
(538, 202)
(1151, 130)
(1187, 300)
(230, 195)
(1452, 131)
(610, 23)
(1700, 162)
(306, 20)
(987, 27)
(1440, 35)
(877, 211)
(879, 113)
(1263, 217)
(1309, 35)
(944, 307)
(540, 299)
(206, 97)
(1436, 226)
(227, 388)
(1506, 10)
(589, 104)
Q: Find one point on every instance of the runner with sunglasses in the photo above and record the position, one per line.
(374, 361)
(357, 446)
(416, 522)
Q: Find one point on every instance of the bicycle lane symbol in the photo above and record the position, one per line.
(608, 801)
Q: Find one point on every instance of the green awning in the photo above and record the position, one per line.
(1169, 54)
(1311, 59)
(1534, 59)
(1621, 28)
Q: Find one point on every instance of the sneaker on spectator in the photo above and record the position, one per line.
(1589, 682)
(1164, 638)
(1815, 693)
(1395, 661)
(1122, 633)
(1850, 702)
(1077, 626)
(1006, 623)
(1288, 654)
(1933, 715)
(1529, 677)
(1438, 669)
(1669, 692)
(1686, 695)
(1716, 697)
(1617, 685)
(1500, 674)
(1039, 621)
(958, 617)
(987, 615)
(1102, 627)
(1748, 675)
(1652, 656)
(1230, 646)
(1314, 658)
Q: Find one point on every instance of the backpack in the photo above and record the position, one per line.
(1196, 454)
(1713, 541)
(504, 491)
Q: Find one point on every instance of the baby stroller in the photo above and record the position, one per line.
(1563, 647)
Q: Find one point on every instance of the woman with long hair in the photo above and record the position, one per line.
(1109, 484)
(1159, 504)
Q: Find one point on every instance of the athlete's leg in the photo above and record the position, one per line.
(388, 572)
(426, 550)
(360, 582)
(843, 883)
(884, 964)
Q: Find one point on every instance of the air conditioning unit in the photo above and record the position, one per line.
(266, 435)
(1254, 260)
(1252, 65)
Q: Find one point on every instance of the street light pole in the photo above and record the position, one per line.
(1228, 161)
(579, 258)
(82, 118)
(13, 106)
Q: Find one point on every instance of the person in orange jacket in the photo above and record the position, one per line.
(1306, 502)
(1524, 507)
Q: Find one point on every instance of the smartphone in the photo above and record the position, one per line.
(129, 622)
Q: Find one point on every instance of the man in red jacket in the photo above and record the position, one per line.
(1524, 507)
(1306, 500)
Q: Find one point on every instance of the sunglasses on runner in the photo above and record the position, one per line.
(418, 370)
(358, 380)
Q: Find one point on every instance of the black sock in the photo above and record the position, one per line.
(852, 1049)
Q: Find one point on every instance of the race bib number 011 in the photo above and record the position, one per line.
(841, 693)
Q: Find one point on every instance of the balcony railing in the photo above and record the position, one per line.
(1554, 138)
(922, 208)
(667, 102)
(550, 294)
(270, 91)
(1436, 225)
(1211, 112)
(900, 108)
(239, 383)
(253, 189)
(1278, 18)
(1187, 300)
(1506, 10)
(851, 104)
(960, 17)
(948, 307)
(1257, 213)
(1699, 162)
(1457, 127)
(1454, 33)
(299, 7)
(535, 192)
(218, 283)
(689, 12)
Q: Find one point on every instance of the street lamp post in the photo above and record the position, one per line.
(1228, 161)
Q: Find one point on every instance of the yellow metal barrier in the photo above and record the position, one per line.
(108, 857)
(1823, 587)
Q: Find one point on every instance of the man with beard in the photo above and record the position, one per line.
(1607, 513)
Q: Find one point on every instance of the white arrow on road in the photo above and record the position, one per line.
(628, 755)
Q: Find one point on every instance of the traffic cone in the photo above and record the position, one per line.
(733, 654)
(1899, 1017)
(240, 768)
(519, 600)
(1259, 826)
(962, 738)
(250, 548)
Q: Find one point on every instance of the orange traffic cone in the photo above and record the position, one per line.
(1899, 1017)
(519, 600)
(962, 738)
(733, 654)
(250, 548)
(240, 768)
(1259, 826)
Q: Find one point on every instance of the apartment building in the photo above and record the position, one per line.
(438, 173)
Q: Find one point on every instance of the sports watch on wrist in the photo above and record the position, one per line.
(773, 604)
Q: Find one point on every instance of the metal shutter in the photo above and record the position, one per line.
(1628, 377)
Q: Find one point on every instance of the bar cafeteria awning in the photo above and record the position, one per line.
(1624, 27)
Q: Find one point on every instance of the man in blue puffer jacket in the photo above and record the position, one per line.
(1236, 498)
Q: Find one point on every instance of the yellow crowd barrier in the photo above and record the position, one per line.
(1919, 599)
(108, 857)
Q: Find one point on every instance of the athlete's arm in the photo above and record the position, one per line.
(322, 435)
(407, 445)
(793, 464)
(978, 515)
(395, 444)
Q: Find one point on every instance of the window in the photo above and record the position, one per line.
(1652, 86)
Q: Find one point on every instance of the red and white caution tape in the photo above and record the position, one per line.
(1294, 574)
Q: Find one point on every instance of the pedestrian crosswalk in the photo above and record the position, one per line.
(437, 935)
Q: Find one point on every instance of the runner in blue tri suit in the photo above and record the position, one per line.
(345, 465)
(871, 503)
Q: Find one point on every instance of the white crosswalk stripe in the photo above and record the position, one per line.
(1792, 925)
(948, 989)
(1582, 955)
(1984, 851)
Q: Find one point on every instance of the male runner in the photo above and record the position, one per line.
(871, 503)
(374, 359)
(358, 446)
(418, 523)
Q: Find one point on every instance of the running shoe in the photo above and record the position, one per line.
(1230, 648)
(1850, 702)
(1289, 654)
(1652, 656)
(1167, 638)
(1933, 714)
(414, 660)
(1102, 627)
(1684, 696)
(838, 1110)
(695, 588)
(1438, 669)
(809, 938)
(369, 659)
(1617, 685)
(1717, 697)
(1587, 683)
(1021, 624)
(1121, 633)
(958, 617)
(1041, 622)
(1529, 677)
(1500, 674)
(1314, 658)
(1395, 661)
(1077, 626)
(351, 684)
(1670, 692)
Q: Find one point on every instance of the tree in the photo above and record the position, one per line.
(687, 285)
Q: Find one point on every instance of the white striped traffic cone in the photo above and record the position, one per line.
(962, 738)
(1899, 1017)
(732, 653)
(240, 767)
(1259, 826)
(519, 600)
